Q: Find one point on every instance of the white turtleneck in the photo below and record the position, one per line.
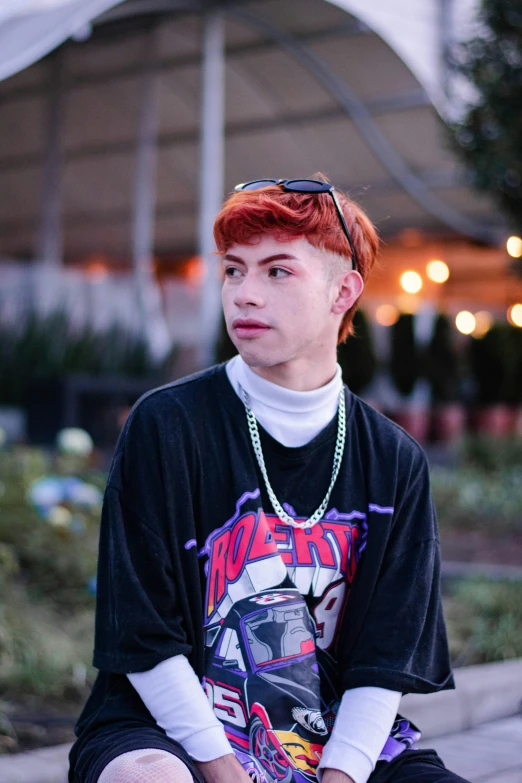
(172, 692)
(291, 417)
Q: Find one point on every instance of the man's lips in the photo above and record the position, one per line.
(248, 327)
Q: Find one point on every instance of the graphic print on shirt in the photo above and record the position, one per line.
(270, 673)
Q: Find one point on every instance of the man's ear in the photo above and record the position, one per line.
(349, 288)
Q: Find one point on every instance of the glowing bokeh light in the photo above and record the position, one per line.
(514, 247)
(437, 271)
(411, 282)
(483, 323)
(515, 314)
(408, 303)
(387, 314)
(465, 322)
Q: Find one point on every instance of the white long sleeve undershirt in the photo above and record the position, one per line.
(171, 690)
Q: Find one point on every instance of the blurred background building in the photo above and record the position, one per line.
(123, 124)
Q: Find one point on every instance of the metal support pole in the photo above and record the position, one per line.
(152, 319)
(212, 151)
(445, 42)
(49, 248)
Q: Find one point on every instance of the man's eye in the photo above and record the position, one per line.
(231, 271)
(278, 272)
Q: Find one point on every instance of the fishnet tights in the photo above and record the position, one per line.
(147, 765)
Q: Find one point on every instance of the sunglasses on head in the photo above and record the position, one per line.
(305, 186)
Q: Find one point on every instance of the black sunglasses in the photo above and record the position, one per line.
(305, 186)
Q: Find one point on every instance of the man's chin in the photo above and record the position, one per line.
(257, 358)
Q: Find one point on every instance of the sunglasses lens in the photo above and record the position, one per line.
(257, 184)
(308, 186)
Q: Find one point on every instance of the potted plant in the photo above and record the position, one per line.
(406, 370)
(443, 373)
(357, 355)
(514, 378)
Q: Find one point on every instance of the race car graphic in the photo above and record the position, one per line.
(267, 686)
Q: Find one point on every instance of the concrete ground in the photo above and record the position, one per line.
(491, 753)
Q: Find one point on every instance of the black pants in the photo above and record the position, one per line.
(90, 758)
(414, 766)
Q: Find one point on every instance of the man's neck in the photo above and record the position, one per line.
(298, 375)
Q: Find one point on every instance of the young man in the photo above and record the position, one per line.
(267, 534)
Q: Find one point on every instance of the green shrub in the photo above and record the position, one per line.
(491, 454)
(46, 604)
(55, 560)
(44, 651)
(442, 366)
(357, 356)
(470, 499)
(484, 620)
(405, 360)
(43, 348)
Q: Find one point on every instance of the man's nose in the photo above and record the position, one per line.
(248, 293)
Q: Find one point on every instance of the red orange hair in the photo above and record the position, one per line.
(248, 214)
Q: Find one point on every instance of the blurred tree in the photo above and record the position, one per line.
(489, 135)
(442, 364)
(490, 363)
(405, 362)
(357, 355)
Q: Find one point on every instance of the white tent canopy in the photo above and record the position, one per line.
(30, 29)
(308, 87)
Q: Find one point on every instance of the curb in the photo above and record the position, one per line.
(451, 569)
(47, 765)
(484, 694)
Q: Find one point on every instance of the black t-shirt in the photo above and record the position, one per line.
(276, 621)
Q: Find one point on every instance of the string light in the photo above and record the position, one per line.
(437, 271)
(515, 314)
(465, 322)
(514, 247)
(411, 282)
(483, 323)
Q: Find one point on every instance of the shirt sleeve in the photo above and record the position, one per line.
(400, 642)
(138, 611)
(174, 697)
(361, 729)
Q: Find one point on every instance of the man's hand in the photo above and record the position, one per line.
(336, 776)
(225, 769)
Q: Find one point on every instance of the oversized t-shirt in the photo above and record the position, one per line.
(276, 621)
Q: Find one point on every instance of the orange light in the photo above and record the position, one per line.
(437, 271)
(514, 247)
(515, 314)
(465, 322)
(97, 271)
(411, 282)
(483, 323)
(387, 315)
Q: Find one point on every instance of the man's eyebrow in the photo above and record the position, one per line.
(267, 260)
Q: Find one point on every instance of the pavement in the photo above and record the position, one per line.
(476, 730)
(490, 753)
